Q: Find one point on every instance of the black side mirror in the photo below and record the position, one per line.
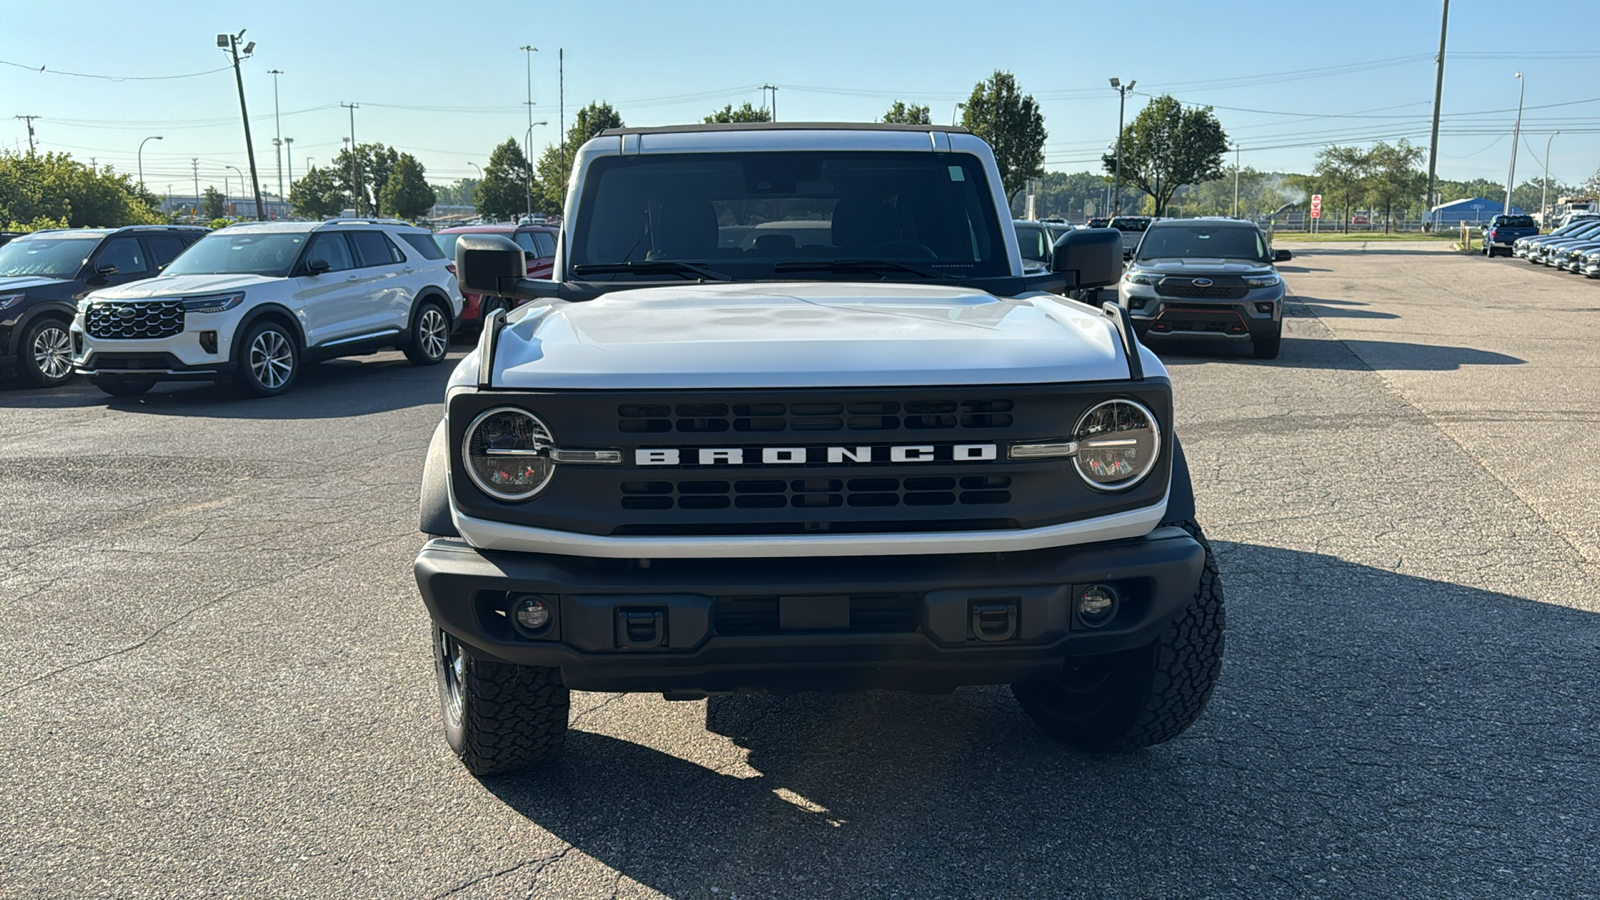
(484, 262)
(1281, 256)
(318, 266)
(1088, 257)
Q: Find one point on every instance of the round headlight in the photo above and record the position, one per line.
(507, 453)
(1118, 442)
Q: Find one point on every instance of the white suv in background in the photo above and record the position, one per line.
(253, 303)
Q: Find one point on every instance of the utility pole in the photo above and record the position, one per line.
(1122, 105)
(1516, 136)
(277, 127)
(527, 145)
(774, 89)
(1438, 92)
(561, 123)
(230, 42)
(1236, 181)
(194, 211)
(288, 152)
(355, 169)
(29, 120)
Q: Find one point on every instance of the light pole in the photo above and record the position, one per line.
(1122, 104)
(1544, 189)
(288, 155)
(230, 43)
(356, 190)
(1236, 181)
(157, 137)
(479, 168)
(277, 127)
(956, 112)
(241, 185)
(1516, 136)
(527, 146)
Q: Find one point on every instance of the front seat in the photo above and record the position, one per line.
(683, 229)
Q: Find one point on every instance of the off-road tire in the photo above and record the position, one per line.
(430, 335)
(510, 717)
(1267, 346)
(1139, 698)
(44, 355)
(122, 387)
(268, 347)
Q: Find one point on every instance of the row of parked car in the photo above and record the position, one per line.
(1574, 247)
(248, 304)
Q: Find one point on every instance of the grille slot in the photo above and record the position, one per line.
(1219, 289)
(818, 493)
(869, 613)
(859, 415)
(135, 321)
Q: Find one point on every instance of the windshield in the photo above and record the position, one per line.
(1203, 241)
(756, 215)
(1034, 242)
(1514, 221)
(46, 257)
(1130, 223)
(240, 253)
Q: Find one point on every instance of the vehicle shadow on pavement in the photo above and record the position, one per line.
(1373, 734)
(332, 389)
(1334, 309)
(1324, 353)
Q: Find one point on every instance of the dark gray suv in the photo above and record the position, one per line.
(1206, 278)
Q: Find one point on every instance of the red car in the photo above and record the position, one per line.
(538, 243)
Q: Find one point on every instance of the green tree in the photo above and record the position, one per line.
(1342, 173)
(1393, 175)
(213, 205)
(908, 114)
(1070, 193)
(457, 194)
(745, 113)
(502, 193)
(1166, 147)
(366, 179)
(1012, 125)
(45, 190)
(406, 193)
(317, 195)
(1529, 194)
(555, 163)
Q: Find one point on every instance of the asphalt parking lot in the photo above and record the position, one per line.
(215, 675)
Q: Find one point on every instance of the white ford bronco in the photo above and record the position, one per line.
(790, 416)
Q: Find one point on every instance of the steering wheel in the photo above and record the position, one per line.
(901, 249)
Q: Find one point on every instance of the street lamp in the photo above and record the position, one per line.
(1122, 104)
(225, 186)
(528, 143)
(157, 137)
(479, 168)
(1516, 136)
(1544, 189)
(955, 112)
(528, 51)
(288, 154)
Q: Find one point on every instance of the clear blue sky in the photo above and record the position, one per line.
(446, 82)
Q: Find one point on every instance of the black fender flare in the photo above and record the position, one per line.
(273, 310)
(435, 501)
(52, 308)
(1180, 495)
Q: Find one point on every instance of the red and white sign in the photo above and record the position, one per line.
(1316, 206)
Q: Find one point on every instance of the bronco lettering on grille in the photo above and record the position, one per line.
(801, 456)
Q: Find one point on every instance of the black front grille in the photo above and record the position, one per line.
(1217, 289)
(135, 321)
(130, 362)
(869, 613)
(821, 416)
(817, 492)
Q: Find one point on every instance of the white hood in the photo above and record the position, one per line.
(807, 334)
(180, 286)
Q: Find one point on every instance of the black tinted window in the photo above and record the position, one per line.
(164, 249)
(546, 243)
(524, 239)
(124, 253)
(1516, 221)
(332, 249)
(424, 244)
(373, 248)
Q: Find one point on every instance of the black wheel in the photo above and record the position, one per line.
(1266, 346)
(269, 360)
(1142, 697)
(430, 335)
(45, 354)
(122, 387)
(498, 717)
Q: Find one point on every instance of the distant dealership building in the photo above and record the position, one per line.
(1472, 210)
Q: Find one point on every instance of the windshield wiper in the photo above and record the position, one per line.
(856, 265)
(651, 267)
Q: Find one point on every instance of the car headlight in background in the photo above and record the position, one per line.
(1261, 281)
(9, 300)
(506, 452)
(212, 303)
(1141, 278)
(1118, 443)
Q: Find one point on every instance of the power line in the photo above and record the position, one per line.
(43, 70)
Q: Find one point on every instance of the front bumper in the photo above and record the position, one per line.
(199, 352)
(710, 626)
(1258, 313)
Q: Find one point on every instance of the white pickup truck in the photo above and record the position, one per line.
(790, 416)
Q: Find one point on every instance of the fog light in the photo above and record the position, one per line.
(1097, 604)
(1265, 308)
(208, 341)
(531, 614)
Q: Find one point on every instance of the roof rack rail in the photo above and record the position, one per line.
(364, 221)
